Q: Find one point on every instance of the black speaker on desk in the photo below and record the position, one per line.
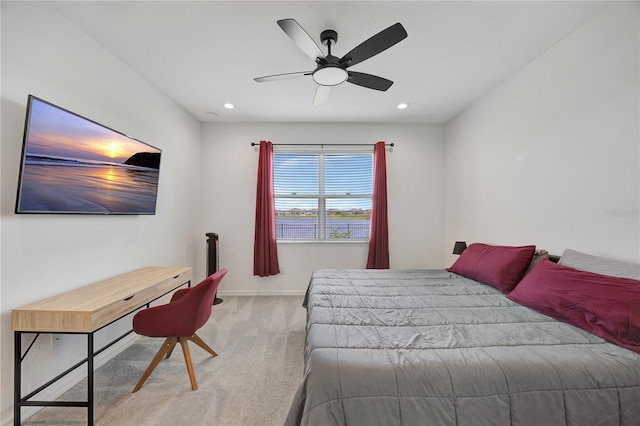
(213, 257)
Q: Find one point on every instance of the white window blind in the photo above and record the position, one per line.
(323, 196)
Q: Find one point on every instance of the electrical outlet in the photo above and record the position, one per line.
(56, 341)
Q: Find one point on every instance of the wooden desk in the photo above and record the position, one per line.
(87, 310)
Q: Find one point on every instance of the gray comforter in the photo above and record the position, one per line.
(428, 347)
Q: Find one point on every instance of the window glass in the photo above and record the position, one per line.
(323, 196)
(349, 174)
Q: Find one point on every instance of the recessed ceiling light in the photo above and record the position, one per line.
(403, 106)
(228, 105)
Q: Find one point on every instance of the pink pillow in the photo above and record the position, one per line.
(607, 306)
(501, 267)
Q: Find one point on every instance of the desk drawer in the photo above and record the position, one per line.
(139, 297)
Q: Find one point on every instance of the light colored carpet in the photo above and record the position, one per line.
(260, 344)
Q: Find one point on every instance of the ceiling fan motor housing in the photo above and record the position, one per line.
(329, 72)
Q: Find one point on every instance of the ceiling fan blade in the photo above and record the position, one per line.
(285, 76)
(322, 94)
(301, 38)
(374, 45)
(369, 81)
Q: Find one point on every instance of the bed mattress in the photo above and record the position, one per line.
(429, 347)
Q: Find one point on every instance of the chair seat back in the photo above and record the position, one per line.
(183, 315)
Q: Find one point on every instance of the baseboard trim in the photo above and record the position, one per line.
(261, 293)
(73, 378)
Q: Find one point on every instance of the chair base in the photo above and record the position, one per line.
(167, 349)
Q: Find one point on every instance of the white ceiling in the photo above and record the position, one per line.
(205, 53)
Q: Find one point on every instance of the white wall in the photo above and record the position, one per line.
(551, 156)
(415, 179)
(45, 55)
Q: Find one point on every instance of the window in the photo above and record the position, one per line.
(323, 196)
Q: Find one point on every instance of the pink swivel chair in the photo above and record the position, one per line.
(178, 321)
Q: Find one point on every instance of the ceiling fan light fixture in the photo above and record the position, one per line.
(330, 76)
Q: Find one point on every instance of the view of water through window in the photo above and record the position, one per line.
(323, 196)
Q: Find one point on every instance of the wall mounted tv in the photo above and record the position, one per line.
(71, 164)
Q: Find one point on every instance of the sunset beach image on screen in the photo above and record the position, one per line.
(71, 164)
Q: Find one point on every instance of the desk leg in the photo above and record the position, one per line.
(90, 379)
(17, 376)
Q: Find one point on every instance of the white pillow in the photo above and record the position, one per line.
(599, 265)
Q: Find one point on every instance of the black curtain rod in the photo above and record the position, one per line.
(324, 144)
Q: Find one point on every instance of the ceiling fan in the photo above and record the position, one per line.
(331, 70)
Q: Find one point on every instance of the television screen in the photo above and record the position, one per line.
(71, 164)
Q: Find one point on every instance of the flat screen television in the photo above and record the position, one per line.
(71, 164)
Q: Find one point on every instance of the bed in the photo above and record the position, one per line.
(433, 347)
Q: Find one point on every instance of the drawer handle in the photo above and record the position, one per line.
(176, 276)
(128, 298)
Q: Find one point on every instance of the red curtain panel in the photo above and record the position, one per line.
(379, 236)
(265, 251)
